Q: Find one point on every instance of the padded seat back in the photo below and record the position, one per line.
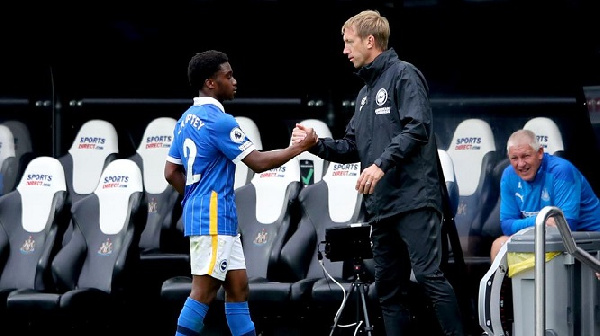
(31, 220)
(473, 152)
(333, 201)
(107, 224)
(94, 146)
(162, 198)
(548, 134)
(265, 210)
(312, 167)
(243, 174)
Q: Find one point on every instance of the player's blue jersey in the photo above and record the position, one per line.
(557, 183)
(208, 143)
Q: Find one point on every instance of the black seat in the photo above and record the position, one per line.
(95, 271)
(32, 219)
(164, 251)
(473, 152)
(161, 241)
(331, 202)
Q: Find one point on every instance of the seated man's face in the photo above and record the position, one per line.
(525, 160)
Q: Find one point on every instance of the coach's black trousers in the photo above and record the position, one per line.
(408, 240)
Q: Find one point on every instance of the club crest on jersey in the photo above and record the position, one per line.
(237, 135)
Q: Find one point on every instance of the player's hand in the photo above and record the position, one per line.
(305, 137)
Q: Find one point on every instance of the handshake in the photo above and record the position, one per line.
(303, 137)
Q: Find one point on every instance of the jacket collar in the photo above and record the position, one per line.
(370, 72)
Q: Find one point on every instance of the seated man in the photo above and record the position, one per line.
(536, 179)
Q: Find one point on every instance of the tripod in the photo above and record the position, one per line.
(360, 288)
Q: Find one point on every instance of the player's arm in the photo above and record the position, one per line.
(175, 175)
(260, 161)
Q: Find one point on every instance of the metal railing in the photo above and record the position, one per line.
(540, 251)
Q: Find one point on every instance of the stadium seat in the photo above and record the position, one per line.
(331, 202)
(9, 164)
(164, 209)
(312, 167)
(243, 174)
(473, 152)
(164, 251)
(548, 134)
(94, 147)
(32, 219)
(95, 271)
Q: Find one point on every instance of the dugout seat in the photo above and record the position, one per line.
(95, 272)
(548, 134)
(473, 152)
(164, 251)
(32, 219)
(95, 145)
(331, 202)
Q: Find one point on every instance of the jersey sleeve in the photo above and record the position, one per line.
(231, 139)
(174, 154)
(567, 193)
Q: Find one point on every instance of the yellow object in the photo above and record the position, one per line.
(522, 261)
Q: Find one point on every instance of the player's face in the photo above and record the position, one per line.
(525, 160)
(226, 83)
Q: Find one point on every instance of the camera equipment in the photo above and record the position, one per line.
(351, 242)
(348, 242)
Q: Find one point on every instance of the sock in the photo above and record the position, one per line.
(191, 319)
(238, 319)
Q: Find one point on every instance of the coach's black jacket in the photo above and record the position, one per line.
(392, 123)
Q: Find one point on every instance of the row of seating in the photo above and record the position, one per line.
(80, 230)
(106, 207)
